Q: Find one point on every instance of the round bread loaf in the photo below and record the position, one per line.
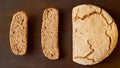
(95, 34)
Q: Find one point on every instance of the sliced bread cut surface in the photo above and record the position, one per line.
(19, 33)
(95, 34)
(49, 33)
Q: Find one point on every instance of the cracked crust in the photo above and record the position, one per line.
(95, 34)
(49, 33)
(18, 33)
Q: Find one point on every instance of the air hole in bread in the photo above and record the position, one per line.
(22, 21)
(45, 27)
(17, 26)
(75, 30)
(51, 32)
(23, 28)
(51, 54)
(13, 32)
(22, 40)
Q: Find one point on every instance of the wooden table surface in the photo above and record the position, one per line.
(34, 57)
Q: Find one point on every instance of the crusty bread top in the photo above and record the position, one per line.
(18, 33)
(95, 34)
(49, 33)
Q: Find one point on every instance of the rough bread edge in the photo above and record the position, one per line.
(42, 31)
(115, 31)
(26, 34)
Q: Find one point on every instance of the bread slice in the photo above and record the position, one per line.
(19, 33)
(95, 34)
(49, 33)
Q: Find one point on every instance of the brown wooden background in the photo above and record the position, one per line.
(34, 57)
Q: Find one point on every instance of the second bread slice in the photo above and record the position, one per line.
(49, 33)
